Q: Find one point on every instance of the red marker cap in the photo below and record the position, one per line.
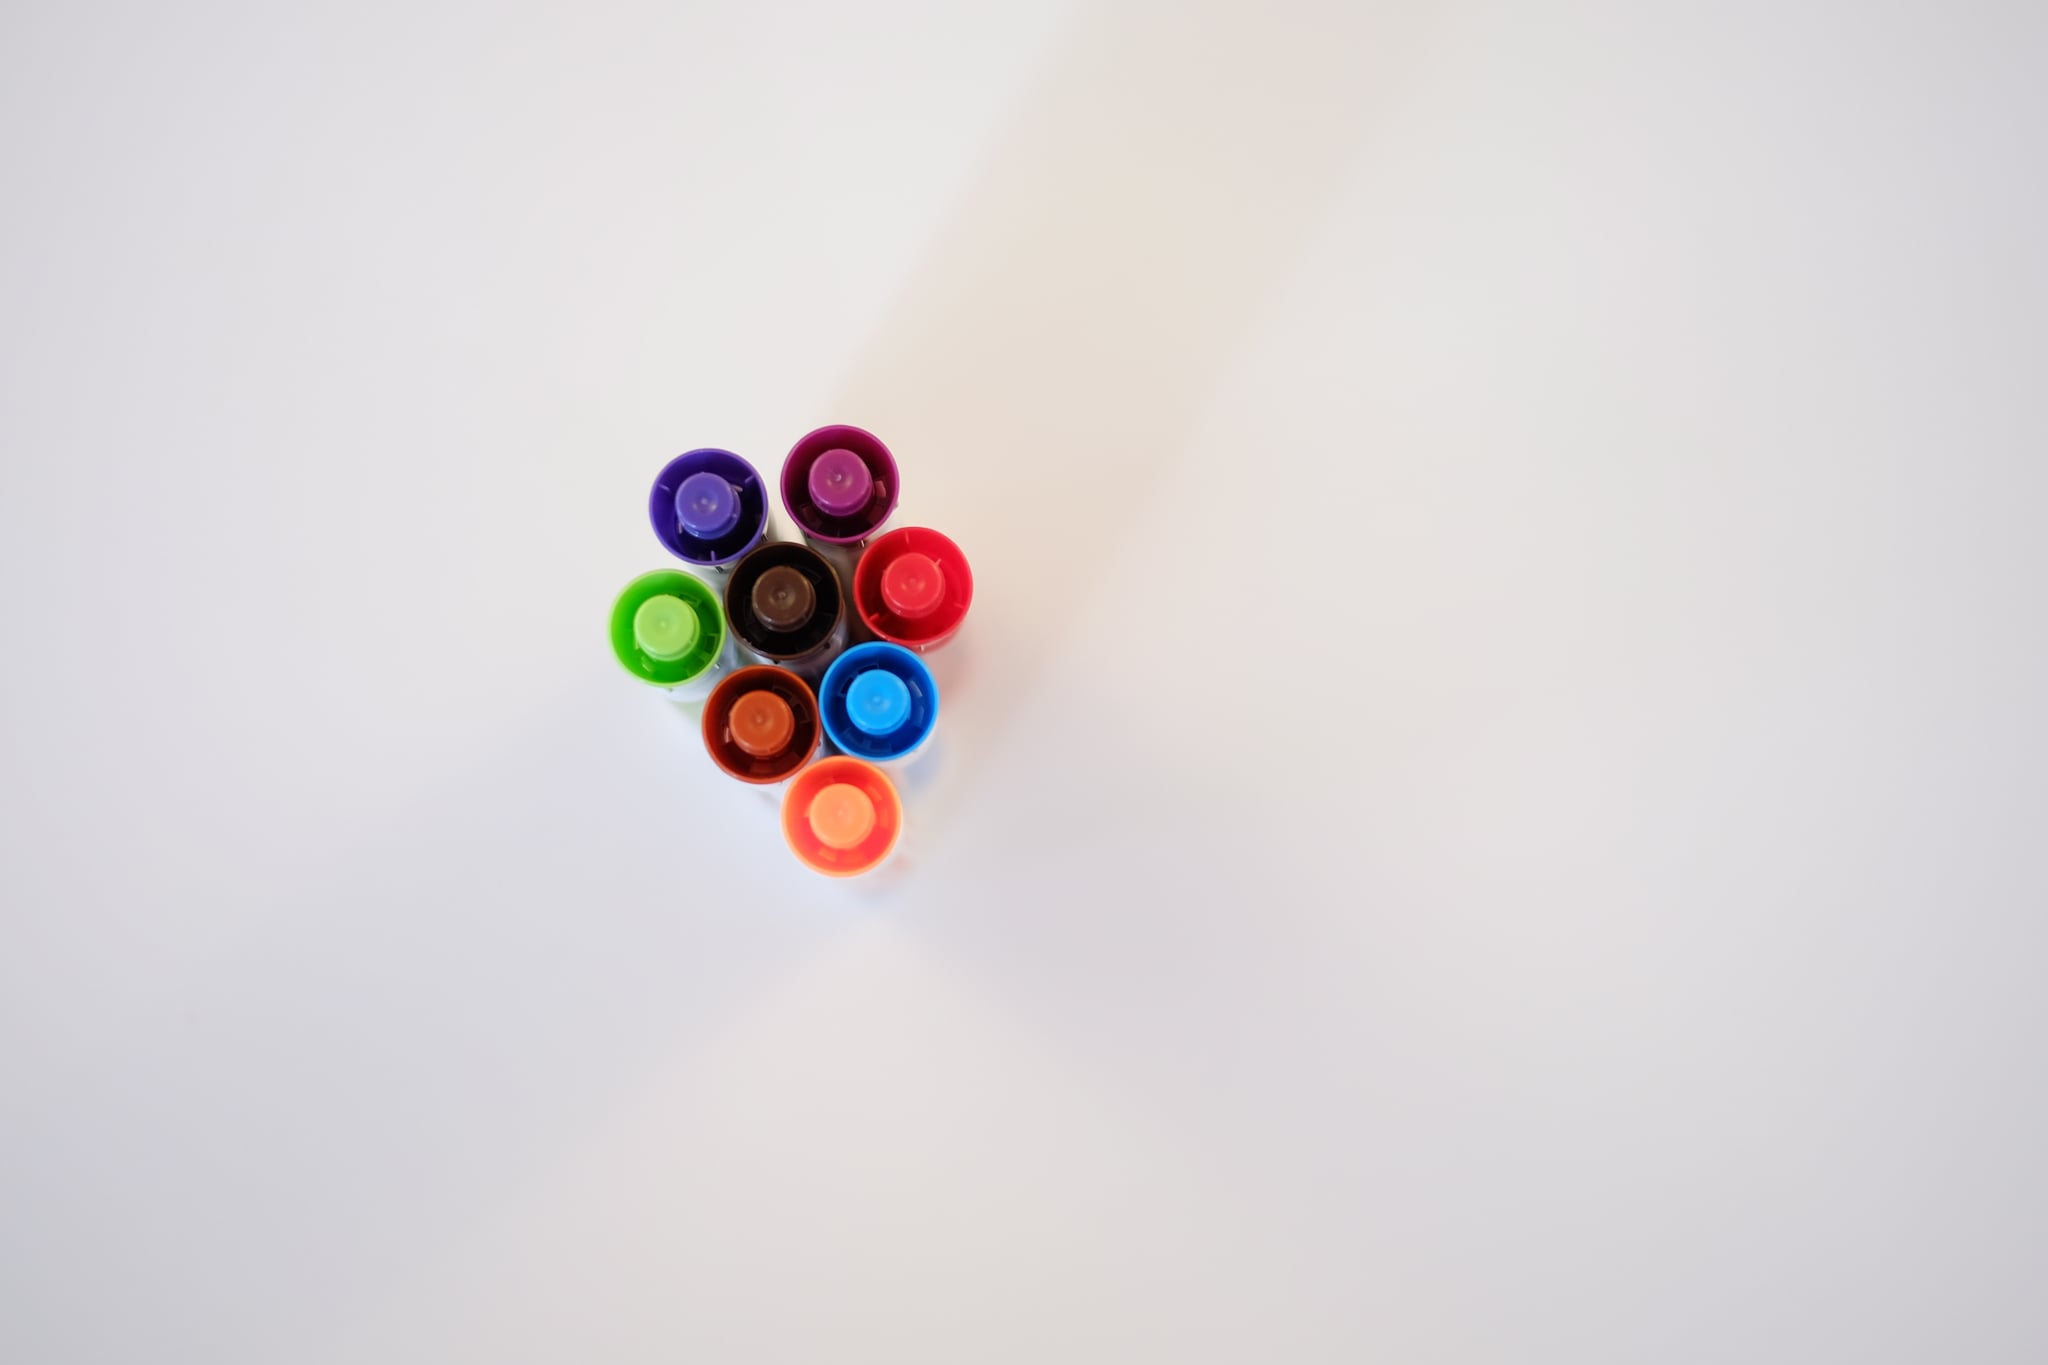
(913, 587)
(841, 817)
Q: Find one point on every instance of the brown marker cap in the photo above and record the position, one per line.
(783, 598)
(761, 723)
(784, 601)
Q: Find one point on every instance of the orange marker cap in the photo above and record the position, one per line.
(841, 816)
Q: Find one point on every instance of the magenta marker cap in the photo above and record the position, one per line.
(839, 484)
(708, 507)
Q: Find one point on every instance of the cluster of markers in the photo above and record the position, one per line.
(803, 654)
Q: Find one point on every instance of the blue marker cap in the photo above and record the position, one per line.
(707, 506)
(878, 702)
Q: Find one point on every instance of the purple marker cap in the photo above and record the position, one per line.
(840, 483)
(707, 506)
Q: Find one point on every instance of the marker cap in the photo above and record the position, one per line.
(785, 604)
(839, 484)
(708, 507)
(913, 587)
(841, 816)
(666, 627)
(783, 598)
(761, 724)
(878, 702)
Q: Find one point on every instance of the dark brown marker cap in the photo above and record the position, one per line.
(761, 723)
(784, 599)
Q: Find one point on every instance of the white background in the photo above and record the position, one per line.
(1558, 875)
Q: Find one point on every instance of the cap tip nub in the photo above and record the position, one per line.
(841, 815)
(839, 482)
(707, 506)
(762, 723)
(665, 627)
(878, 702)
(783, 598)
(913, 585)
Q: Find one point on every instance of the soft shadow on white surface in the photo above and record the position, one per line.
(1041, 374)
(1622, 932)
(441, 1007)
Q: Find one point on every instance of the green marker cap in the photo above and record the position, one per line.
(667, 627)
